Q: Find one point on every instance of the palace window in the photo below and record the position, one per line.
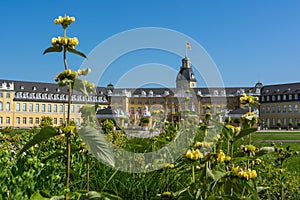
(60, 108)
(267, 109)
(30, 107)
(1, 120)
(37, 107)
(30, 120)
(7, 106)
(296, 97)
(1, 94)
(49, 108)
(268, 98)
(72, 109)
(273, 109)
(290, 97)
(24, 120)
(7, 120)
(37, 120)
(284, 97)
(55, 121)
(24, 107)
(18, 121)
(296, 108)
(290, 108)
(78, 109)
(262, 109)
(284, 108)
(273, 98)
(278, 97)
(7, 95)
(60, 121)
(43, 107)
(55, 108)
(18, 107)
(278, 108)
(1, 106)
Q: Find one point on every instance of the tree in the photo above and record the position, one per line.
(46, 121)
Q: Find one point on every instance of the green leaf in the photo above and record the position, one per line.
(53, 49)
(76, 52)
(261, 188)
(265, 150)
(38, 196)
(179, 192)
(80, 86)
(97, 144)
(45, 134)
(243, 133)
(93, 195)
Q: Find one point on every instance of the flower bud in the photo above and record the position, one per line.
(59, 39)
(65, 41)
(60, 19)
(72, 19)
(53, 41)
(56, 21)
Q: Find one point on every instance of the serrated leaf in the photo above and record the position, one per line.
(76, 52)
(53, 49)
(97, 144)
(243, 133)
(45, 134)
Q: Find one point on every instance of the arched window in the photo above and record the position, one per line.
(7, 106)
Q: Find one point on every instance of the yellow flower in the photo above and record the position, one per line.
(65, 41)
(53, 41)
(221, 156)
(227, 158)
(60, 19)
(56, 21)
(72, 19)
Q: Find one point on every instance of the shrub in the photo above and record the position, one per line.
(279, 124)
(145, 120)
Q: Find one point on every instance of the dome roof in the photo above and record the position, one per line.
(258, 84)
(186, 74)
(110, 86)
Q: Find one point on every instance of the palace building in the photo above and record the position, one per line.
(280, 103)
(22, 103)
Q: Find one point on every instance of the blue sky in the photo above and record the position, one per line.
(247, 40)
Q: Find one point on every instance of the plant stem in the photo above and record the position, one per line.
(167, 182)
(68, 138)
(193, 174)
(87, 172)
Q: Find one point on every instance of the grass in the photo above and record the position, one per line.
(293, 163)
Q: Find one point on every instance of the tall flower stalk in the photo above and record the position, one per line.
(67, 78)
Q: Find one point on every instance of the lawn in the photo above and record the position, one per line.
(282, 138)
